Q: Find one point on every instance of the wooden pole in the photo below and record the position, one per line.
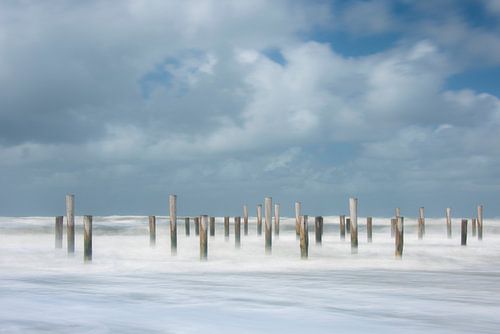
(87, 238)
(226, 228)
(196, 226)
(480, 222)
(304, 237)
(268, 203)
(152, 231)
(70, 222)
(353, 211)
(186, 224)
(298, 209)
(474, 222)
(369, 229)
(464, 232)
(276, 219)
(59, 231)
(245, 220)
(397, 211)
(204, 238)
(348, 225)
(393, 226)
(173, 223)
(212, 226)
(259, 219)
(318, 229)
(448, 222)
(237, 232)
(342, 227)
(399, 237)
(421, 223)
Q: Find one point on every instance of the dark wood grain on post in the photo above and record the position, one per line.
(298, 210)
(304, 237)
(212, 226)
(448, 222)
(342, 227)
(196, 226)
(172, 199)
(268, 214)
(399, 240)
(393, 226)
(276, 219)
(152, 230)
(464, 232)
(187, 227)
(204, 238)
(474, 229)
(59, 232)
(353, 211)
(226, 228)
(245, 220)
(480, 222)
(421, 223)
(87, 238)
(348, 225)
(369, 229)
(70, 222)
(259, 219)
(318, 229)
(237, 232)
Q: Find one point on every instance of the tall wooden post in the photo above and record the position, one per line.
(369, 229)
(204, 238)
(87, 238)
(187, 227)
(397, 211)
(304, 237)
(474, 229)
(342, 227)
(268, 208)
(245, 220)
(298, 209)
(399, 237)
(480, 222)
(318, 229)
(276, 219)
(353, 211)
(348, 225)
(226, 228)
(237, 232)
(152, 231)
(259, 219)
(448, 222)
(196, 226)
(173, 223)
(464, 232)
(393, 226)
(70, 222)
(59, 231)
(421, 223)
(212, 226)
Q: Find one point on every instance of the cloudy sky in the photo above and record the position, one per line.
(225, 102)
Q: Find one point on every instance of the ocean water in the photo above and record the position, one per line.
(438, 286)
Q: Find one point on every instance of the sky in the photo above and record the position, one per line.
(223, 103)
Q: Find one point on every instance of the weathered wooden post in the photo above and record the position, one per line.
(152, 231)
(298, 209)
(448, 222)
(259, 219)
(268, 202)
(480, 222)
(464, 232)
(245, 220)
(212, 226)
(87, 238)
(421, 223)
(59, 231)
(393, 226)
(474, 222)
(353, 211)
(204, 238)
(304, 237)
(70, 222)
(397, 211)
(173, 223)
(226, 228)
(399, 237)
(186, 224)
(276, 219)
(342, 227)
(369, 229)
(348, 225)
(196, 226)
(318, 229)
(237, 232)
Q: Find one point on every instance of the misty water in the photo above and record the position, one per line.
(438, 286)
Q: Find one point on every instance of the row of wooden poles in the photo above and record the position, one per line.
(203, 225)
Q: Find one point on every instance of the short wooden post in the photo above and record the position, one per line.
(204, 238)
(480, 222)
(369, 229)
(421, 223)
(342, 227)
(276, 219)
(237, 232)
(298, 210)
(399, 237)
(196, 226)
(226, 228)
(212, 226)
(186, 224)
(397, 211)
(448, 222)
(474, 229)
(348, 225)
(87, 238)
(59, 231)
(268, 207)
(393, 226)
(304, 237)
(245, 220)
(464, 232)
(70, 222)
(173, 223)
(259, 219)
(152, 231)
(353, 211)
(318, 229)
